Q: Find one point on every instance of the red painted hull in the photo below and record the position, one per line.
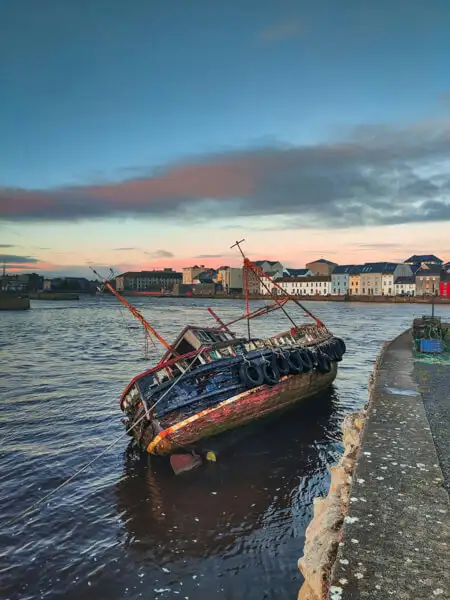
(240, 410)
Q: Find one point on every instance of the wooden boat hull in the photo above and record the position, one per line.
(240, 410)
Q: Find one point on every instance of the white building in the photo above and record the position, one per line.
(391, 274)
(272, 269)
(405, 286)
(340, 280)
(231, 279)
(306, 286)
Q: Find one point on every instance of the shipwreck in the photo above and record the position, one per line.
(210, 380)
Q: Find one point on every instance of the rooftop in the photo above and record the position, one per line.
(305, 279)
(269, 262)
(356, 269)
(166, 272)
(380, 267)
(430, 270)
(297, 272)
(343, 269)
(322, 261)
(408, 279)
(420, 258)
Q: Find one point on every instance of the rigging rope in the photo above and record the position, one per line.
(104, 451)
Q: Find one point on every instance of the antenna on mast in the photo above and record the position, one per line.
(245, 274)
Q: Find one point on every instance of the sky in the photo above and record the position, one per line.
(146, 134)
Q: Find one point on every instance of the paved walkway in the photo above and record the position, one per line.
(396, 537)
(433, 382)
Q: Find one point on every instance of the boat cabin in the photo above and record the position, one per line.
(192, 338)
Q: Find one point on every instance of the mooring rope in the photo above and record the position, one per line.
(104, 451)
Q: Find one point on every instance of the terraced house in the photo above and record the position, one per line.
(340, 280)
(354, 280)
(377, 279)
(273, 269)
(314, 285)
(405, 286)
(428, 280)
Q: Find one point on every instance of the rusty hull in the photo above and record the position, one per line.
(240, 410)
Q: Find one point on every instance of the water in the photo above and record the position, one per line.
(127, 527)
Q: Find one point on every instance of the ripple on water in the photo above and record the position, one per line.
(127, 525)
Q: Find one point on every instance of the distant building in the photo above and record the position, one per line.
(390, 273)
(340, 280)
(354, 280)
(231, 279)
(405, 286)
(312, 285)
(428, 281)
(272, 266)
(377, 279)
(32, 281)
(69, 284)
(321, 267)
(190, 273)
(272, 269)
(206, 276)
(148, 281)
(11, 283)
(428, 259)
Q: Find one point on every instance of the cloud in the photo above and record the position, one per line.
(209, 256)
(377, 175)
(160, 254)
(8, 246)
(125, 249)
(14, 259)
(379, 246)
(280, 31)
(41, 248)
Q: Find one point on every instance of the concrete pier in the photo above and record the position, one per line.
(395, 540)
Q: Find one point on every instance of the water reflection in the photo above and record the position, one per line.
(207, 511)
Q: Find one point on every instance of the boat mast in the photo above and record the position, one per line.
(260, 274)
(245, 275)
(135, 312)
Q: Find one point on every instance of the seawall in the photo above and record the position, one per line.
(354, 299)
(54, 296)
(383, 531)
(10, 302)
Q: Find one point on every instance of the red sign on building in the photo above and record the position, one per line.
(444, 288)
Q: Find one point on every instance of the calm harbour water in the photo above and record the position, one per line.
(127, 527)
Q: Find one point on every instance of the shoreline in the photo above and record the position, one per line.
(387, 497)
(345, 299)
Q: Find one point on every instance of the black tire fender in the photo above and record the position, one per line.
(251, 374)
(282, 363)
(323, 363)
(342, 346)
(307, 359)
(295, 361)
(270, 372)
